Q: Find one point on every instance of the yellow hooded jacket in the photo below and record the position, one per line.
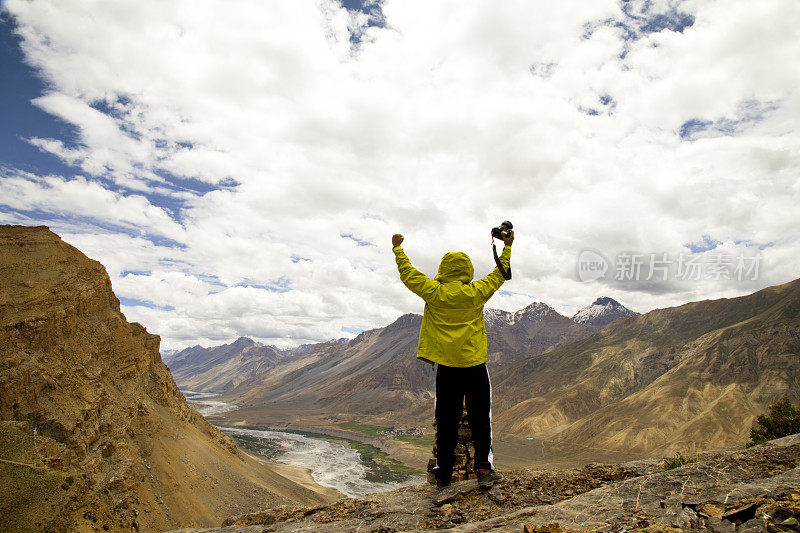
(452, 332)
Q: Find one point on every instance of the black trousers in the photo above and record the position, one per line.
(456, 387)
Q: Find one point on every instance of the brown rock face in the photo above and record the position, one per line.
(92, 385)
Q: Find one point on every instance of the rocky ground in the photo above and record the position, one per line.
(755, 489)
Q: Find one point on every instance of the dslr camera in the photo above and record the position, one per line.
(501, 231)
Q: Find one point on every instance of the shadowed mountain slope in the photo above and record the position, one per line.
(93, 430)
(376, 372)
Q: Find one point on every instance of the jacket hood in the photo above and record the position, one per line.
(455, 266)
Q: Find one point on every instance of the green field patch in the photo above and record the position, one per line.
(364, 429)
(33, 494)
(380, 466)
(425, 441)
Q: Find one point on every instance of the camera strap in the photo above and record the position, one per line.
(505, 273)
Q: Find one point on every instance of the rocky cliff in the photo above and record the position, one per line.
(94, 434)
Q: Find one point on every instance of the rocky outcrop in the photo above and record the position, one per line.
(85, 397)
(757, 489)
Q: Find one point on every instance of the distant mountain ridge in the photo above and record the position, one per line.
(529, 331)
(374, 373)
(692, 376)
(221, 368)
(244, 366)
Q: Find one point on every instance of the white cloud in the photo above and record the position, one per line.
(434, 126)
(79, 197)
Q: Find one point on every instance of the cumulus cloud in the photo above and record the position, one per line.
(242, 165)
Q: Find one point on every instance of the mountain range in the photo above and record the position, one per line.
(681, 378)
(529, 332)
(222, 368)
(375, 374)
(512, 335)
(693, 376)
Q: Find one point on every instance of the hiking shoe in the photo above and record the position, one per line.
(443, 482)
(487, 478)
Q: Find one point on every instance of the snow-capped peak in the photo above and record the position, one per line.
(536, 309)
(602, 312)
(499, 318)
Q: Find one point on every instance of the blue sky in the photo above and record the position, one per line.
(18, 86)
(22, 120)
(239, 167)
